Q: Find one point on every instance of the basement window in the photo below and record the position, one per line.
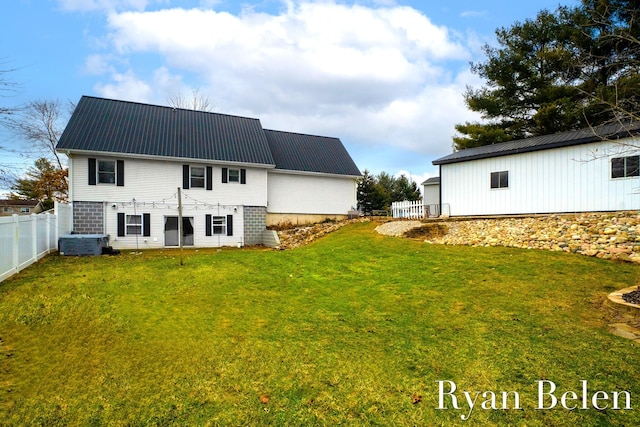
(500, 179)
(219, 225)
(624, 167)
(134, 224)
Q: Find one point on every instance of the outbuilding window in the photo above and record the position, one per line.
(500, 179)
(623, 167)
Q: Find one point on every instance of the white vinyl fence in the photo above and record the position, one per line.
(416, 210)
(24, 239)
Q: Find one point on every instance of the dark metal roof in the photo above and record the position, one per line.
(299, 152)
(545, 142)
(112, 126)
(435, 180)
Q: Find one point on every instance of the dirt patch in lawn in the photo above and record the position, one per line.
(427, 231)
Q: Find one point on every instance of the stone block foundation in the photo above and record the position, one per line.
(88, 217)
(255, 222)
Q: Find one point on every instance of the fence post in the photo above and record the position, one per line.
(34, 237)
(48, 223)
(16, 243)
(56, 230)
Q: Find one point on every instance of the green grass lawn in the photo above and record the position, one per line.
(344, 331)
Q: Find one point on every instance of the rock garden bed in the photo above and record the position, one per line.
(609, 235)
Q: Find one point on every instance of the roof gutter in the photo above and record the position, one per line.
(70, 152)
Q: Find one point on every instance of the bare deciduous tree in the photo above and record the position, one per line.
(7, 88)
(40, 124)
(196, 101)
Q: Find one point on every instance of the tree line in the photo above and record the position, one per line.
(572, 68)
(377, 192)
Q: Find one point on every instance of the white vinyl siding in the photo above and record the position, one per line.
(304, 194)
(157, 180)
(569, 179)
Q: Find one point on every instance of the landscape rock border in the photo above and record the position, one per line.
(606, 235)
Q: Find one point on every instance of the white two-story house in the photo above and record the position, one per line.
(134, 169)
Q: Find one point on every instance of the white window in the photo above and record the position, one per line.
(7, 210)
(234, 175)
(106, 171)
(219, 225)
(197, 177)
(134, 224)
(25, 210)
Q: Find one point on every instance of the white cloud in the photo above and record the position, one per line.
(376, 76)
(98, 64)
(126, 86)
(473, 13)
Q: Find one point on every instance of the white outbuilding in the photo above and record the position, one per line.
(594, 169)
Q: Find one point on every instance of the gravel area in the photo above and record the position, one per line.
(397, 228)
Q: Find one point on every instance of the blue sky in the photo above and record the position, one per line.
(386, 77)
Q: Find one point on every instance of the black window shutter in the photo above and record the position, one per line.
(224, 175)
(229, 225)
(120, 173)
(146, 225)
(186, 178)
(209, 178)
(243, 176)
(207, 225)
(92, 171)
(120, 224)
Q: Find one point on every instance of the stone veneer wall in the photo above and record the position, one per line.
(88, 217)
(608, 235)
(255, 222)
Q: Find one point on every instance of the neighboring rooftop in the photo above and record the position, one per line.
(434, 180)
(545, 142)
(18, 202)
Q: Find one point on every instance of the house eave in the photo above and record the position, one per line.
(311, 173)
(70, 153)
(561, 144)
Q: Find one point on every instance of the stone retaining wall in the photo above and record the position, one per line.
(610, 235)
